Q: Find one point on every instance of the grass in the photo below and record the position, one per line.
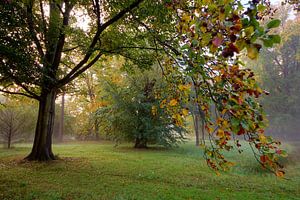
(90, 170)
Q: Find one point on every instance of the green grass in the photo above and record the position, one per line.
(91, 170)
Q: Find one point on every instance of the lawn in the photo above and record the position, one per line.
(91, 170)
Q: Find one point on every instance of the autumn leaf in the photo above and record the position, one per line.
(173, 102)
(154, 110)
(264, 158)
(262, 138)
(162, 104)
(185, 112)
(279, 173)
(252, 52)
(217, 41)
(220, 133)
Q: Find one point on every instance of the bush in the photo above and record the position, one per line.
(134, 113)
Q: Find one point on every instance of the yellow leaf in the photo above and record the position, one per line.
(230, 164)
(173, 102)
(225, 123)
(154, 110)
(224, 111)
(185, 112)
(209, 153)
(220, 133)
(186, 18)
(219, 120)
(184, 87)
(162, 104)
(178, 119)
(262, 138)
(252, 52)
(218, 79)
(203, 29)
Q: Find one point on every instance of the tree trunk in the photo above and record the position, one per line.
(196, 126)
(9, 132)
(9, 139)
(96, 129)
(42, 146)
(62, 118)
(140, 143)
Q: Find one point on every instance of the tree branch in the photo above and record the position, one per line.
(32, 94)
(96, 37)
(18, 93)
(62, 34)
(43, 18)
(33, 31)
(77, 73)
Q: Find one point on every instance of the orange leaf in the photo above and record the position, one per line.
(173, 102)
(280, 173)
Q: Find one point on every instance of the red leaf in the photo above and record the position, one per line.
(241, 131)
(217, 41)
(263, 158)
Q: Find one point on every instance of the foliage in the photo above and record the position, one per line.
(214, 34)
(134, 112)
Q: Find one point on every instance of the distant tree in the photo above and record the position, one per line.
(134, 113)
(279, 70)
(12, 123)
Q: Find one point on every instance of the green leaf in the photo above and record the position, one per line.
(235, 122)
(245, 125)
(283, 153)
(259, 31)
(275, 38)
(273, 24)
(268, 43)
(261, 8)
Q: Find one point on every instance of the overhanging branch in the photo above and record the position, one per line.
(18, 93)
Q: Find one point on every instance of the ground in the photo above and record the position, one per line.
(91, 170)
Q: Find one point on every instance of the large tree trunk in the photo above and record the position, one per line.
(42, 146)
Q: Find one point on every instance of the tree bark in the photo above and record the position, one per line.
(9, 132)
(196, 127)
(9, 138)
(97, 129)
(140, 143)
(42, 146)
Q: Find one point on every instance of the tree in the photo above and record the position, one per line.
(12, 124)
(134, 113)
(36, 49)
